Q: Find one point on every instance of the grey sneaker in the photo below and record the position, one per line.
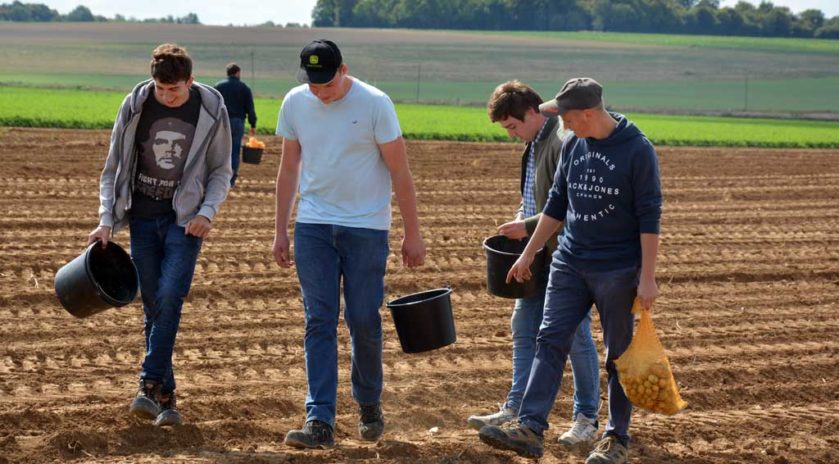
(169, 414)
(314, 434)
(608, 451)
(497, 418)
(371, 421)
(514, 436)
(146, 405)
(583, 431)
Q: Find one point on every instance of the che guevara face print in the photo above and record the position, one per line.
(164, 156)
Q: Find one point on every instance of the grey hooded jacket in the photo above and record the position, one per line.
(206, 177)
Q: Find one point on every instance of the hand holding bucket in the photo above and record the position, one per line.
(503, 257)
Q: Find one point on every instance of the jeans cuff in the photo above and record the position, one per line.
(622, 441)
(330, 423)
(537, 429)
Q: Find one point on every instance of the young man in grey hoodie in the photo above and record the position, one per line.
(167, 172)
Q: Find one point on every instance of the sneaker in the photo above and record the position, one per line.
(583, 431)
(314, 434)
(371, 421)
(146, 405)
(169, 414)
(513, 436)
(497, 418)
(608, 451)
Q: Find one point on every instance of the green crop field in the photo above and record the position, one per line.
(641, 72)
(773, 44)
(75, 108)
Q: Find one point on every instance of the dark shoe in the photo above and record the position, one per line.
(169, 414)
(146, 405)
(315, 434)
(371, 422)
(513, 436)
(608, 451)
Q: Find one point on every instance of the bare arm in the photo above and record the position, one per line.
(396, 158)
(288, 177)
(647, 288)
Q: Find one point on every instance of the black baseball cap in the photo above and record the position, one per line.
(319, 61)
(580, 93)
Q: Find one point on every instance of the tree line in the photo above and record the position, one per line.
(656, 16)
(38, 12)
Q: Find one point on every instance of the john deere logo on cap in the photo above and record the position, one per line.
(313, 59)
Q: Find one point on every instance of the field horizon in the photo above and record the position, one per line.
(640, 72)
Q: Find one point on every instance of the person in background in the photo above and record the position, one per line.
(515, 106)
(343, 147)
(607, 195)
(239, 101)
(165, 177)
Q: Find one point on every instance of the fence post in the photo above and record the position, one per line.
(253, 75)
(419, 70)
(746, 94)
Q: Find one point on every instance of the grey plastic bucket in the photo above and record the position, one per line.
(502, 253)
(98, 279)
(424, 321)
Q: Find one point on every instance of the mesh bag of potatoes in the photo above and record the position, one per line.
(644, 371)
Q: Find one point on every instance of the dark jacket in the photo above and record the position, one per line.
(608, 193)
(547, 153)
(238, 99)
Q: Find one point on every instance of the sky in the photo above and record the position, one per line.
(830, 8)
(211, 12)
(251, 12)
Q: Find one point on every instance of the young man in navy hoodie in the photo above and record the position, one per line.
(607, 195)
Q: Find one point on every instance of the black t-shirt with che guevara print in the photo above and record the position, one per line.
(164, 137)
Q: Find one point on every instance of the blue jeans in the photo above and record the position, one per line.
(324, 256)
(527, 317)
(237, 131)
(570, 295)
(165, 258)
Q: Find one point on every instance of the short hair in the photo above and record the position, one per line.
(170, 64)
(512, 98)
(233, 69)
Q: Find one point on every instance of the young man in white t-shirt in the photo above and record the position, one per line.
(343, 148)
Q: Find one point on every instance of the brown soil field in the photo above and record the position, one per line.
(748, 313)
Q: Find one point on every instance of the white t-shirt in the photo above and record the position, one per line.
(343, 180)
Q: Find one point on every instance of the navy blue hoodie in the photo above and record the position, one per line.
(608, 192)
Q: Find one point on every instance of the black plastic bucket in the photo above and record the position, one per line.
(502, 253)
(251, 155)
(98, 279)
(424, 321)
